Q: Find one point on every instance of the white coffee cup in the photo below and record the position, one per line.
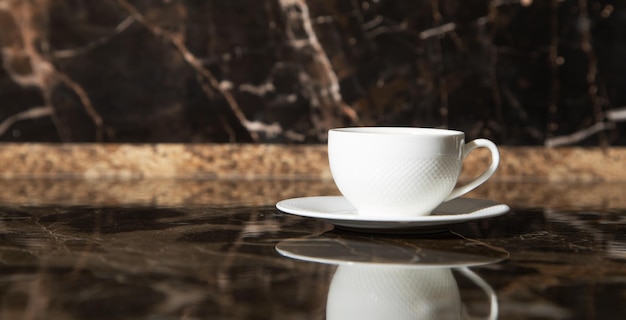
(400, 171)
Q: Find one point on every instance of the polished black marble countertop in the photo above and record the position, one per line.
(204, 259)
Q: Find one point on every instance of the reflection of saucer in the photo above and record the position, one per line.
(396, 279)
(338, 211)
(423, 254)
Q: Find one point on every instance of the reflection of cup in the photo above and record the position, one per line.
(374, 292)
(385, 280)
(402, 171)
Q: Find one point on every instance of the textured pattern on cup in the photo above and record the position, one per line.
(398, 186)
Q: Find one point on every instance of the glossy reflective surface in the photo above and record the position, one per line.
(228, 261)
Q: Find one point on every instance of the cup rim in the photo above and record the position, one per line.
(398, 131)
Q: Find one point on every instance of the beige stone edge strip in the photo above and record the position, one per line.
(268, 161)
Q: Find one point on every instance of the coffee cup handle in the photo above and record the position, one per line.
(481, 283)
(495, 161)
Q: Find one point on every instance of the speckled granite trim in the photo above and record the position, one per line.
(553, 164)
(181, 161)
(210, 193)
(262, 161)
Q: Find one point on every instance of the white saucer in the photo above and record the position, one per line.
(338, 211)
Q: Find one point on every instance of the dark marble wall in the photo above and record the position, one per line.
(521, 72)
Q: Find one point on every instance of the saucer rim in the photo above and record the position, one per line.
(496, 209)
